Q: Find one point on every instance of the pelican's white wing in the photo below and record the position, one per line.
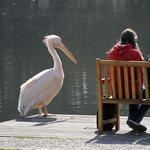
(34, 87)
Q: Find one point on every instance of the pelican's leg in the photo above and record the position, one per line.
(46, 113)
(40, 112)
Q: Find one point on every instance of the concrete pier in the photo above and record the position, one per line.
(76, 132)
(67, 126)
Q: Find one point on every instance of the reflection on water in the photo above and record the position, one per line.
(87, 28)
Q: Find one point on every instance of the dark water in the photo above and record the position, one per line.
(87, 28)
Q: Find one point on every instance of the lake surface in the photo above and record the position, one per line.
(87, 28)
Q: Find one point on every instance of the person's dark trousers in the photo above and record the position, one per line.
(137, 112)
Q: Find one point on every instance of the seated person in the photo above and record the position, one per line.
(127, 49)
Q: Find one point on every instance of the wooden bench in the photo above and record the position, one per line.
(103, 87)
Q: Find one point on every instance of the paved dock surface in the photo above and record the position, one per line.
(78, 129)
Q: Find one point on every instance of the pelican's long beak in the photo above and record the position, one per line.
(66, 51)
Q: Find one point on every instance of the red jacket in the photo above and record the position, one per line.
(125, 53)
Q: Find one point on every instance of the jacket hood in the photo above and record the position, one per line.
(121, 49)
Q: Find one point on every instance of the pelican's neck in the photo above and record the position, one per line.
(55, 56)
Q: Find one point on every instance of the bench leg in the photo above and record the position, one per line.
(100, 118)
(117, 124)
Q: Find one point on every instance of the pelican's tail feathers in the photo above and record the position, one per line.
(22, 108)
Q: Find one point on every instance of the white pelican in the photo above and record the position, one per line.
(39, 91)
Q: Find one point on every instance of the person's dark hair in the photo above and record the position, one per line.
(128, 36)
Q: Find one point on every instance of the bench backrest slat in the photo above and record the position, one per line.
(113, 82)
(126, 83)
(139, 83)
(133, 83)
(124, 63)
(146, 83)
(106, 81)
(119, 82)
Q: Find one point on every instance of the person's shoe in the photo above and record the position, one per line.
(136, 125)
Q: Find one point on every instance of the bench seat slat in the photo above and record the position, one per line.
(126, 101)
